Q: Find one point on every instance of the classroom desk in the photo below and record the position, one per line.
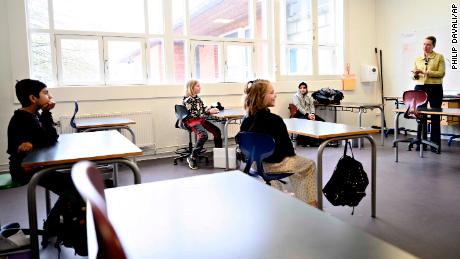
(226, 117)
(229, 215)
(329, 131)
(360, 108)
(105, 123)
(101, 147)
(425, 111)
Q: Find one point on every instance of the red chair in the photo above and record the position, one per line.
(292, 110)
(90, 185)
(413, 99)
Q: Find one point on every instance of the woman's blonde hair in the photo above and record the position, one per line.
(254, 100)
(190, 86)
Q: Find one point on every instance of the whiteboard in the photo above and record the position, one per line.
(412, 46)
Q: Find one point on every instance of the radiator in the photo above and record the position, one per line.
(143, 129)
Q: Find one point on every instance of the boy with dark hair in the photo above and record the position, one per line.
(29, 128)
(32, 127)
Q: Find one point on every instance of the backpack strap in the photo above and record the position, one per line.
(348, 143)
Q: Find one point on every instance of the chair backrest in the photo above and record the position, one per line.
(412, 100)
(255, 147)
(181, 115)
(292, 110)
(90, 185)
(72, 120)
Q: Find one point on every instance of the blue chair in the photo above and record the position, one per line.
(256, 147)
(72, 120)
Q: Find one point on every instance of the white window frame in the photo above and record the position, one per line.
(279, 43)
(252, 59)
(220, 59)
(145, 54)
(60, 82)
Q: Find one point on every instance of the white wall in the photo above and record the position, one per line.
(395, 18)
(360, 43)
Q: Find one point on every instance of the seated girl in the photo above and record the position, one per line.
(260, 95)
(197, 122)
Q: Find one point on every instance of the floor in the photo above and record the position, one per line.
(418, 199)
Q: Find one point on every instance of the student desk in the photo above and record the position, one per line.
(425, 111)
(226, 117)
(105, 123)
(328, 132)
(229, 215)
(101, 147)
(360, 108)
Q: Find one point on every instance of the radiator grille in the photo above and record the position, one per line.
(143, 129)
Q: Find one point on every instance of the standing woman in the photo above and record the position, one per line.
(260, 95)
(197, 122)
(428, 72)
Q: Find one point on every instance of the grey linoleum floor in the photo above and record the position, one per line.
(418, 199)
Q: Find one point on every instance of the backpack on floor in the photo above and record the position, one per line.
(348, 182)
(67, 221)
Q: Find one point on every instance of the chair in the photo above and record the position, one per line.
(256, 147)
(413, 99)
(292, 110)
(72, 120)
(90, 185)
(182, 114)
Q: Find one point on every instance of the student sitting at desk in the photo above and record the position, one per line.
(305, 104)
(32, 127)
(197, 122)
(260, 95)
(305, 110)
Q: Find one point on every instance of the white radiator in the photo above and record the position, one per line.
(143, 129)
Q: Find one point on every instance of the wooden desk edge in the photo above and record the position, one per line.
(347, 134)
(74, 160)
(105, 125)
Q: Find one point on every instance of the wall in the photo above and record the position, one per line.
(360, 42)
(394, 21)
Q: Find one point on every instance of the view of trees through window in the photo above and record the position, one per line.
(123, 42)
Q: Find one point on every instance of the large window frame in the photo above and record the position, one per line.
(282, 45)
(266, 48)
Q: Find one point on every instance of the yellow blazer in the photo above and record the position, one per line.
(436, 69)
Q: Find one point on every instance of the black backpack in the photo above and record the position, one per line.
(348, 182)
(67, 221)
(327, 96)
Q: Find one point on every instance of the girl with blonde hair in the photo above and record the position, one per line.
(196, 120)
(259, 96)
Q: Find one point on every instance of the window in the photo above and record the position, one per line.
(311, 41)
(157, 41)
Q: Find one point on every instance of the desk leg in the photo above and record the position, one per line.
(382, 125)
(32, 199)
(32, 207)
(226, 143)
(360, 120)
(373, 170)
(395, 142)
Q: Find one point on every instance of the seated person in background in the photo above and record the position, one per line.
(305, 104)
(260, 95)
(32, 127)
(197, 121)
(305, 110)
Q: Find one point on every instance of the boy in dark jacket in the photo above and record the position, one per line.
(32, 127)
